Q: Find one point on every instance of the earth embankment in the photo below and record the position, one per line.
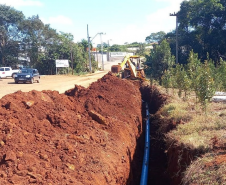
(84, 136)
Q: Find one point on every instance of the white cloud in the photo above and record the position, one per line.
(18, 3)
(60, 19)
(130, 33)
(160, 20)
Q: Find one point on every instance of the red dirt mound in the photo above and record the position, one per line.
(85, 136)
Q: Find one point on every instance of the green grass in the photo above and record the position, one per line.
(201, 134)
(204, 171)
(175, 111)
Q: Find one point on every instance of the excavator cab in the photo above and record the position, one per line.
(129, 68)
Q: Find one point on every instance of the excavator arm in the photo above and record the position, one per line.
(132, 68)
(126, 58)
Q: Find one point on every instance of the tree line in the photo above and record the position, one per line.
(201, 28)
(30, 42)
(201, 51)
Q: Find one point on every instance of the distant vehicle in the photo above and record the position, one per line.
(27, 75)
(7, 72)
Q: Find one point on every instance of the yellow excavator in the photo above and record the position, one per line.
(132, 69)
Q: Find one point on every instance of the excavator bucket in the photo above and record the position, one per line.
(116, 68)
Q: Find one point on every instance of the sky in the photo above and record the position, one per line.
(120, 21)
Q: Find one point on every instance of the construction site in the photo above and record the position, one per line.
(142, 104)
(114, 131)
(110, 127)
(91, 135)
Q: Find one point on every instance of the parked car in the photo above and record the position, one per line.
(27, 75)
(7, 72)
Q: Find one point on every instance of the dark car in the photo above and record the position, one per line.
(27, 75)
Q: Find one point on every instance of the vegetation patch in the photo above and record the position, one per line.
(209, 169)
(194, 140)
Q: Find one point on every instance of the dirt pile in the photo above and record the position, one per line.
(85, 136)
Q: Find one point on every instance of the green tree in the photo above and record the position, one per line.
(56, 46)
(42, 44)
(182, 80)
(141, 50)
(160, 59)
(193, 69)
(46, 62)
(32, 29)
(116, 48)
(155, 37)
(166, 80)
(9, 34)
(220, 77)
(205, 85)
(202, 28)
(105, 46)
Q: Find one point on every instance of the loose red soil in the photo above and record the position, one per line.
(85, 136)
(218, 160)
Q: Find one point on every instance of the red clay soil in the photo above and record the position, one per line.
(216, 161)
(85, 136)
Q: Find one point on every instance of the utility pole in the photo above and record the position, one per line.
(72, 66)
(101, 47)
(102, 50)
(175, 14)
(108, 51)
(90, 65)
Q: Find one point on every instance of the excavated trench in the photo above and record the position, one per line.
(85, 136)
(157, 172)
(158, 160)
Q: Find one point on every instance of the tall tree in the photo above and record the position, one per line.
(116, 48)
(30, 37)
(9, 34)
(141, 49)
(48, 55)
(33, 29)
(155, 37)
(202, 28)
(160, 59)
